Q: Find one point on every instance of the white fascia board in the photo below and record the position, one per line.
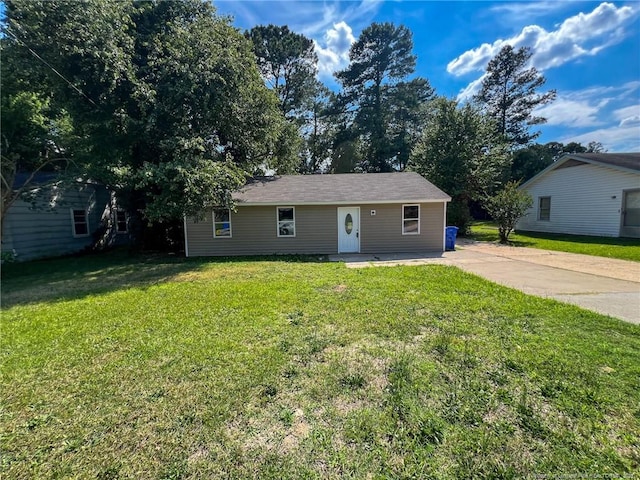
(351, 202)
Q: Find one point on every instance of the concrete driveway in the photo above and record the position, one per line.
(607, 286)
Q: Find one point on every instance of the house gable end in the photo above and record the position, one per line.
(625, 162)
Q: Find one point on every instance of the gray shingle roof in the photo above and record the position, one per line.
(623, 160)
(39, 178)
(345, 188)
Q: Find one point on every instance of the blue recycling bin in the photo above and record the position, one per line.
(450, 238)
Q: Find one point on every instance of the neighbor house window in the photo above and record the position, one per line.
(410, 219)
(544, 208)
(121, 221)
(286, 222)
(80, 223)
(221, 223)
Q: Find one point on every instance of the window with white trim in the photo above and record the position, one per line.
(544, 209)
(286, 221)
(411, 219)
(221, 223)
(122, 223)
(80, 223)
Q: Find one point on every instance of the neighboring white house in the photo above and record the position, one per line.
(586, 194)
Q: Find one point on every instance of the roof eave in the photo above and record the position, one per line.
(572, 156)
(577, 156)
(240, 203)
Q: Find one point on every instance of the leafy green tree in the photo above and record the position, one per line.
(288, 63)
(576, 147)
(31, 142)
(531, 160)
(346, 146)
(166, 99)
(409, 110)
(346, 156)
(507, 207)
(534, 158)
(373, 86)
(460, 153)
(509, 94)
(319, 131)
(595, 147)
(36, 132)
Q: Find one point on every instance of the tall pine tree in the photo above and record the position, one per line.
(509, 95)
(375, 90)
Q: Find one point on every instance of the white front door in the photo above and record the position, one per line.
(348, 229)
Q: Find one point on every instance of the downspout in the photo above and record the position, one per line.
(444, 226)
(186, 244)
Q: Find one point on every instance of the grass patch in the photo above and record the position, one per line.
(279, 368)
(621, 248)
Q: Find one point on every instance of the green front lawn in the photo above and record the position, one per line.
(131, 367)
(622, 248)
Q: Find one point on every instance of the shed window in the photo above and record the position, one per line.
(410, 219)
(80, 223)
(286, 221)
(121, 221)
(221, 223)
(544, 208)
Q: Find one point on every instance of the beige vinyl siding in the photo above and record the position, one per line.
(382, 233)
(255, 231)
(585, 200)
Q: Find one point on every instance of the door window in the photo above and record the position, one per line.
(348, 224)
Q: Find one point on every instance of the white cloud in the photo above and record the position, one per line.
(582, 34)
(629, 121)
(311, 18)
(525, 10)
(614, 139)
(335, 54)
(585, 108)
(628, 116)
(334, 22)
(565, 111)
(329, 23)
(316, 18)
(614, 109)
(471, 89)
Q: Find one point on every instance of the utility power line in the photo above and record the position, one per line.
(7, 30)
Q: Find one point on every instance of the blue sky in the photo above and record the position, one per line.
(588, 51)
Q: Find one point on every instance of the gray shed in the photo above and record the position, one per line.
(324, 214)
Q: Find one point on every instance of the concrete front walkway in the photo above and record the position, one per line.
(607, 286)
